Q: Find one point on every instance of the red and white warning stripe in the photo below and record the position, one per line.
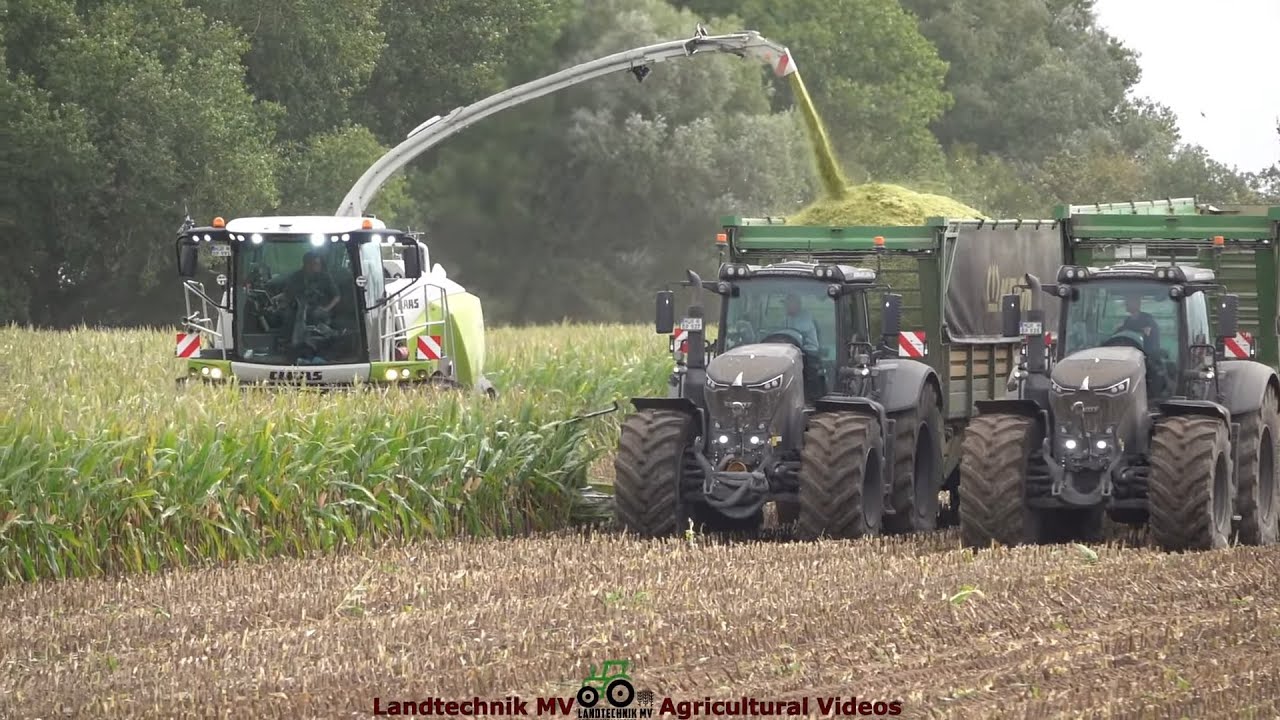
(681, 338)
(1240, 346)
(911, 344)
(429, 347)
(188, 345)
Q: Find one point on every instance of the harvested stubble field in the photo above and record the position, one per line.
(1029, 633)
(106, 470)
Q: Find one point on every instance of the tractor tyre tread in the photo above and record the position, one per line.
(838, 447)
(1258, 524)
(912, 514)
(993, 470)
(1185, 453)
(647, 470)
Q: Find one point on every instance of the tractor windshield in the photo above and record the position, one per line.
(798, 308)
(296, 303)
(1139, 309)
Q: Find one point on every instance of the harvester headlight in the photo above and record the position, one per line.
(405, 373)
(1069, 444)
(216, 373)
(755, 439)
(256, 239)
(724, 439)
(391, 374)
(317, 239)
(1101, 444)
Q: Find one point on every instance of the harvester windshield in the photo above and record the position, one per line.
(1136, 308)
(297, 302)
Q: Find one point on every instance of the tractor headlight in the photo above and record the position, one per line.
(1117, 389)
(771, 384)
(391, 374)
(216, 373)
(1070, 444)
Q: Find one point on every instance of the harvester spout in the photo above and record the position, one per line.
(744, 44)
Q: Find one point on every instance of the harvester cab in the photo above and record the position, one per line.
(316, 301)
(1141, 411)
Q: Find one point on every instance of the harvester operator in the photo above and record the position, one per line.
(312, 287)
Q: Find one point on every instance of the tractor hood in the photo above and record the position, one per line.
(1099, 368)
(752, 365)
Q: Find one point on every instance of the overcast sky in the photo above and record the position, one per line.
(1217, 57)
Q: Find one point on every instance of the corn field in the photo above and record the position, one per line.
(107, 467)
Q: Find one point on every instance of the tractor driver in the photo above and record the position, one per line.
(1141, 322)
(312, 287)
(801, 321)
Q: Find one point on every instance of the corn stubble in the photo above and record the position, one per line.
(1027, 633)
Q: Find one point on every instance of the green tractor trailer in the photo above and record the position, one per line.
(1142, 411)
(847, 364)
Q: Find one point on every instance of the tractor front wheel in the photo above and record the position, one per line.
(993, 472)
(1189, 494)
(647, 472)
(841, 493)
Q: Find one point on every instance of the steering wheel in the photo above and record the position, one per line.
(1126, 338)
(785, 336)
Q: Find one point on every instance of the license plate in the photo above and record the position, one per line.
(220, 250)
(693, 324)
(1031, 328)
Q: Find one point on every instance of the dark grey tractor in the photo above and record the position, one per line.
(791, 404)
(1137, 413)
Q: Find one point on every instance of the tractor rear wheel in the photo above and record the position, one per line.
(917, 467)
(647, 472)
(1257, 502)
(993, 473)
(1189, 494)
(841, 493)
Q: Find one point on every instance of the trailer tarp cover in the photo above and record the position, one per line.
(985, 262)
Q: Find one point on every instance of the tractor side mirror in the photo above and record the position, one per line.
(412, 257)
(1011, 315)
(1228, 316)
(891, 315)
(188, 260)
(665, 312)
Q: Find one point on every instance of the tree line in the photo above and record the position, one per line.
(121, 116)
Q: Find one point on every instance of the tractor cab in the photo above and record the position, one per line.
(1157, 310)
(821, 310)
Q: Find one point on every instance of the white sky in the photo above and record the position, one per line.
(1219, 57)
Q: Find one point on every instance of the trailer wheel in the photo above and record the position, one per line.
(993, 472)
(1189, 494)
(841, 493)
(917, 467)
(647, 472)
(1257, 502)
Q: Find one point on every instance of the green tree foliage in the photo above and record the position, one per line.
(877, 81)
(121, 114)
(141, 122)
(620, 183)
(309, 57)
